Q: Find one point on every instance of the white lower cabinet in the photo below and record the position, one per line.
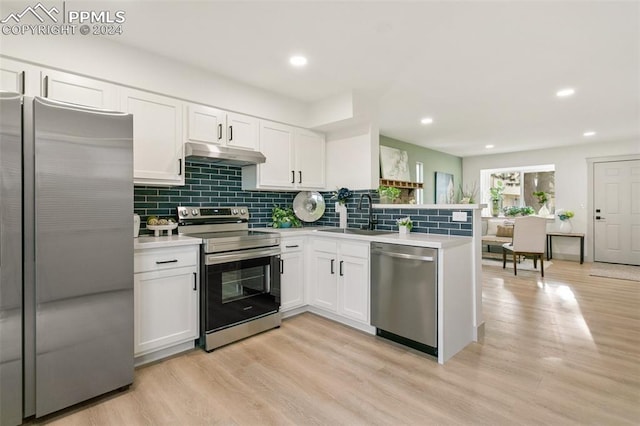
(339, 278)
(292, 274)
(166, 288)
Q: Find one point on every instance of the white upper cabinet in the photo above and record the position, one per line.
(19, 77)
(206, 124)
(276, 143)
(242, 131)
(295, 159)
(158, 153)
(66, 87)
(309, 159)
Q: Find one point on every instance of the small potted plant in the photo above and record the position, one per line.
(496, 198)
(542, 200)
(284, 218)
(405, 224)
(388, 194)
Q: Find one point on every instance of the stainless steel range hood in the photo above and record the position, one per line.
(222, 155)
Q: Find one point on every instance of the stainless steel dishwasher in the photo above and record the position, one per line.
(404, 295)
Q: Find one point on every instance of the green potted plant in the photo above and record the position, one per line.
(496, 198)
(542, 200)
(388, 194)
(284, 218)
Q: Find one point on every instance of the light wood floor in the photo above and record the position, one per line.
(560, 350)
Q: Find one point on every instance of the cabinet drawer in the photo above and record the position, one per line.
(165, 258)
(329, 246)
(354, 249)
(290, 245)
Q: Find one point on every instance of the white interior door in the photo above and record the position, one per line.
(617, 212)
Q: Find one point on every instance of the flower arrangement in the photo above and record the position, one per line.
(342, 195)
(406, 222)
(565, 214)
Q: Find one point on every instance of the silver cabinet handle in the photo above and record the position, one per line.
(162, 262)
(405, 256)
(22, 83)
(45, 88)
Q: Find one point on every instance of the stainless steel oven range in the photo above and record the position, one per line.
(240, 274)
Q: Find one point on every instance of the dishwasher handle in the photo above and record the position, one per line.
(404, 256)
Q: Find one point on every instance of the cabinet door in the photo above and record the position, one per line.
(158, 156)
(166, 309)
(19, 77)
(242, 131)
(205, 124)
(65, 87)
(309, 159)
(324, 280)
(292, 280)
(276, 143)
(354, 288)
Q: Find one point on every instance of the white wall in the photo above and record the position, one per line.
(571, 181)
(108, 60)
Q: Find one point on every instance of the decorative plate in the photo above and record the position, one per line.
(308, 206)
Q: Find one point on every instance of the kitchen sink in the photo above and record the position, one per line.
(356, 231)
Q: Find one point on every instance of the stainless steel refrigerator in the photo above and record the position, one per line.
(66, 255)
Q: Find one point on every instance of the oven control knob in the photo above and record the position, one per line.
(243, 212)
(184, 212)
(234, 211)
(194, 212)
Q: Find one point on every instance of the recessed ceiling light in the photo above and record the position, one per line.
(298, 61)
(427, 120)
(488, 146)
(589, 133)
(565, 92)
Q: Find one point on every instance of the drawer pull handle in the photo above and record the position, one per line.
(341, 263)
(195, 281)
(294, 246)
(162, 262)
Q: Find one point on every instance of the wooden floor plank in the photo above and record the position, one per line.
(563, 349)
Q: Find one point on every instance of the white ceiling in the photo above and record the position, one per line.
(487, 72)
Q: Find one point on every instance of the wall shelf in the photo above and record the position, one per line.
(401, 184)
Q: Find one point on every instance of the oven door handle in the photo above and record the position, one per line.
(216, 259)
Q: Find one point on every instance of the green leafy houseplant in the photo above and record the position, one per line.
(284, 218)
(515, 211)
(406, 222)
(496, 198)
(389, 192)
(541, 196)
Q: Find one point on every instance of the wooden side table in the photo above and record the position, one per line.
(550, 236)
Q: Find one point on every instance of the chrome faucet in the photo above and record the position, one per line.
(372, 218)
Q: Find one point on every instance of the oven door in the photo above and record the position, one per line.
(240, 286)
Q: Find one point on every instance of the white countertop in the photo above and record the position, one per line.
(149, 242)
(412, 239)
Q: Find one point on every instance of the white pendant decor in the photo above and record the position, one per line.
(341, 209)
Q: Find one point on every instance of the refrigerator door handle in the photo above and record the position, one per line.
(45, 86)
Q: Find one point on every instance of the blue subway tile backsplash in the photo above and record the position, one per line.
(218, 185)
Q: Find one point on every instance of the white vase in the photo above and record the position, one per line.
(565, 226)
(402, 230)
(341, 209)
(544, 211)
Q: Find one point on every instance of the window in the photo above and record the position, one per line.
(519, 185)
(419, 195)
